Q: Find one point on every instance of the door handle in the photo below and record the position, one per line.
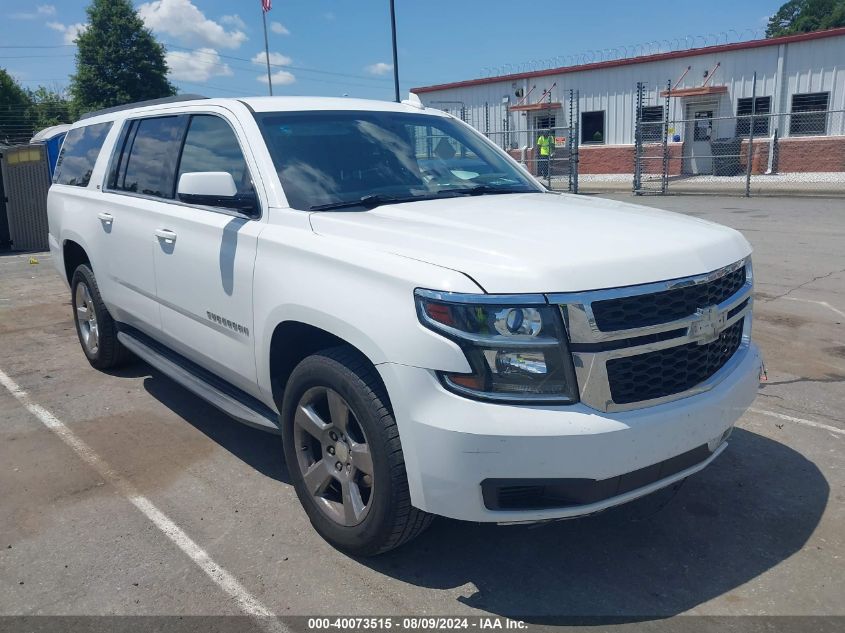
(108, 218)
(166, 235)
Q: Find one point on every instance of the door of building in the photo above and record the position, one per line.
(698, 152)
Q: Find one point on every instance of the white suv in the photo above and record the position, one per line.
(430, 330)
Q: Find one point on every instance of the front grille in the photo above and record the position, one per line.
(669, 371)
(661, 307)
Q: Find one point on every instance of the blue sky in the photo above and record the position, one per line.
(336, 47)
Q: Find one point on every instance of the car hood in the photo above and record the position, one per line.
(518, 243)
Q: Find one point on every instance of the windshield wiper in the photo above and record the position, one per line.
(374, 200)
(369, 201)
(478, 190)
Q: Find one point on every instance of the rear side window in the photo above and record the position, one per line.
(211, 145)
(147, 163)
(79, 153)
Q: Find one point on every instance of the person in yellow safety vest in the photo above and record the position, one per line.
(546, 147)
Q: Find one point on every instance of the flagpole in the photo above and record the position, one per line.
(395, 56)
(267, 51)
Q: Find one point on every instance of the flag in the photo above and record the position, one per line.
(266, 5)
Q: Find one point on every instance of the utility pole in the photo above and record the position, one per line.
(395, 56)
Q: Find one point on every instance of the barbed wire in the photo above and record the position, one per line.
(630, 51)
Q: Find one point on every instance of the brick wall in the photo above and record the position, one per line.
(817, 153)
(825, 154)
(619, 159)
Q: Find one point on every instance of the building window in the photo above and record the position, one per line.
(651, 119)
(544, 123)
(809, 116)
(592, 127)
(763, 105)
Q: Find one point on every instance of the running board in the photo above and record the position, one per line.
(208, 387)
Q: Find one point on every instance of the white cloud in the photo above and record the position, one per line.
(69, 31)
(379, 68)
(199, 65)
(280, 78)
(278, 27)
(233, 21)
(184, 21)
(276, 59)
(41, 11)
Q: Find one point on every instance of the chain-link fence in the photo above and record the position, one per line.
(538, 131)
(755, 152)
(549, 153)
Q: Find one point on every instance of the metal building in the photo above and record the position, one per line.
(703, 93)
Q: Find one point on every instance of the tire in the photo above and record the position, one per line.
(98, 338)
(322, 384)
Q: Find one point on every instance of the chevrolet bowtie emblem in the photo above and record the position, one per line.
(708, 326)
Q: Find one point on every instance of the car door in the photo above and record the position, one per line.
(204, 260)
(139, 190)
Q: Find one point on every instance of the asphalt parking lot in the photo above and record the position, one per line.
(762, 531)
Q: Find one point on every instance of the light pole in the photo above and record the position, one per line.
(395, 56)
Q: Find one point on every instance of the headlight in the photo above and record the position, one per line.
(515, 345)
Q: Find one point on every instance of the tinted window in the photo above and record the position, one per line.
(652, 123)
(79, 153)
(330, 158)
(211, 145)
(761, 105)
(152, 154)
(808, 113)
(592, 127)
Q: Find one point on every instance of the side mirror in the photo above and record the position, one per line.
(214, 189)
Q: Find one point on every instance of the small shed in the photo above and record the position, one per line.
(25, 182)
(5, 237)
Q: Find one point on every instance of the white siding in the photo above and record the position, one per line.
(810, 66)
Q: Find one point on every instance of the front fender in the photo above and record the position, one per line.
(363, 297)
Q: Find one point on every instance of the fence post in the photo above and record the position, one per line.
(572, 141)
(507, 127)
(486, 119)
(638, 140)
(664, 179)
(750, 155)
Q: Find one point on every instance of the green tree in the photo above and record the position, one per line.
(49, 107)
(117, 59)
(803, 16)
(15, 104)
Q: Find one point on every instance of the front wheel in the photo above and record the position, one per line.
(343, 453)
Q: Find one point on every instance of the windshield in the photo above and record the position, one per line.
(338, 159)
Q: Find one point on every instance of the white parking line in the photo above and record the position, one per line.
(789, 418)
(248, 603)
(824, 304)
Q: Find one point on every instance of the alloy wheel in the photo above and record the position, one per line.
(86, 317)
(333, 456)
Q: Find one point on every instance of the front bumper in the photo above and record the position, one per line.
(452, 444)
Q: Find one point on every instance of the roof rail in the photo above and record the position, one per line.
(140, 104)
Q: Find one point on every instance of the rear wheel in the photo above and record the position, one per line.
(95, 327)
(344, 456)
